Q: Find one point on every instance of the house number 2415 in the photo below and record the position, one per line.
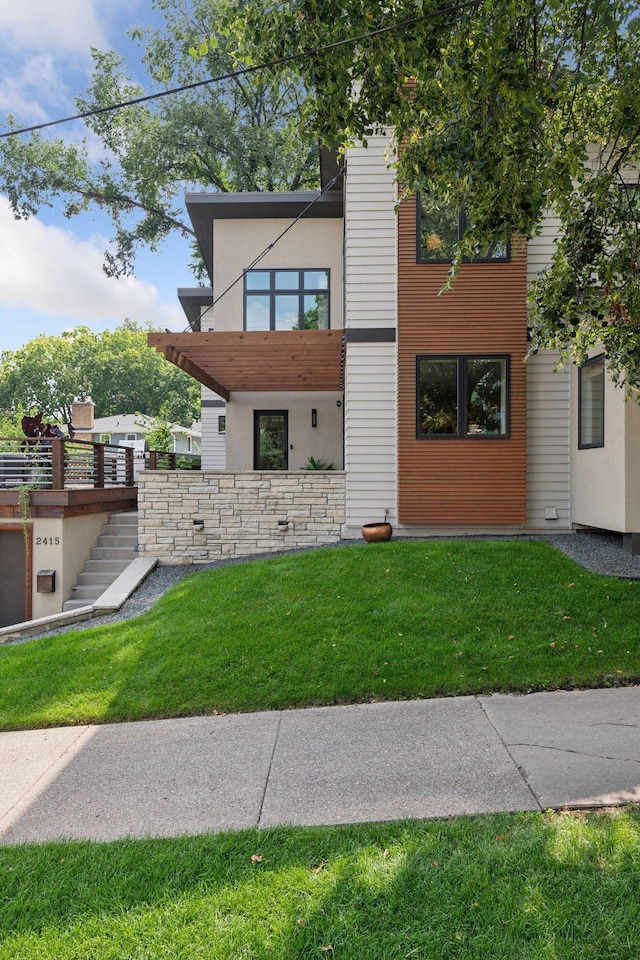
(47, 541)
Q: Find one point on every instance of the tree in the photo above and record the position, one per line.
(239, 135)
(505, 109)
(115, 368)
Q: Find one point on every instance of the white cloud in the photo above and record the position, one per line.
(66, 26)
(48, 270)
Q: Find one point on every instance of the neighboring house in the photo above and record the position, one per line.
(338, 345)
(132, 427)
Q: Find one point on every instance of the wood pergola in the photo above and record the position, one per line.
(241, 361)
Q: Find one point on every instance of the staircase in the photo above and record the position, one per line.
(117, 546)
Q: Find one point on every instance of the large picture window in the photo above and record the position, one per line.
(462, 396)
(591, 404)
(441, 227)
(286, 300)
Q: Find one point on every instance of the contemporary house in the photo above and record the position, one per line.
(330, 341)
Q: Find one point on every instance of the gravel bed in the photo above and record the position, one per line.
(596, 551)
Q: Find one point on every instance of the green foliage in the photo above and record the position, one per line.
(115, 368)
(436, 619)
(11, 423)
(496, 106)
(158, 433)
(238, 135)
(523, 886)
(318, 464)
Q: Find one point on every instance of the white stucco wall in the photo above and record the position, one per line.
(323, 442)
(313, 243)
(598, 475)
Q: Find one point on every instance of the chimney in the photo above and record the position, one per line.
(82, 418)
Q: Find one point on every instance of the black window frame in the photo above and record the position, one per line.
(301, 291)
(600, 359)
(463, 426)
(256, 437)
(463, 222)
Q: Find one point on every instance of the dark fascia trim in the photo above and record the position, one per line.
(204, 208)
(212, 403)
(250, 206)
(192, 299)
(370, 335)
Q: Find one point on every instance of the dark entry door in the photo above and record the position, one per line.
(13, 577)
(270, 440)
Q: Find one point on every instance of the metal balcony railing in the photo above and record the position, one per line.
(60, 464)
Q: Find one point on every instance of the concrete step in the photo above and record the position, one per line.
(116, 548)
(112, 567)
(96, 579)
(87, 594)
(129, 516)
(118, 540)
(112, 553)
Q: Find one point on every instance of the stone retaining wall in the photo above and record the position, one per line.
(242, 513)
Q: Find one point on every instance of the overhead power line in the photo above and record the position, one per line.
(281, 61)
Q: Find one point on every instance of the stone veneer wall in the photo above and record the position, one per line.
(241, 512)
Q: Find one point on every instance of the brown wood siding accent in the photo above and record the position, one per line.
(69, 503)
(460, 480)
(255, 360)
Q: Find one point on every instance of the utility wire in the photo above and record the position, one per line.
(455, 8)
(266, 250)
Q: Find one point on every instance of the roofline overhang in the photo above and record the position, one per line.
(204, 208)
(192, 300)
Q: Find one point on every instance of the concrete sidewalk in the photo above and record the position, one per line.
(330, 765)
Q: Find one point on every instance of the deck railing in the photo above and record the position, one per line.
(59, 464)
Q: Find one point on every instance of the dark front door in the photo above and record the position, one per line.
(13, 577)
(270, 440)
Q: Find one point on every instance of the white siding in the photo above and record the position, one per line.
(371, 368)
(213, 444)
(370, 237)
(370, 433)
(540, 248)
(548, 408)
(547, 442)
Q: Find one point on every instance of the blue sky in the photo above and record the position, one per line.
(51, 275)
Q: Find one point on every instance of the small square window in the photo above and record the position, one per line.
(591, 404)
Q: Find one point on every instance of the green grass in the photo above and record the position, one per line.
(501, 887)
(359, 623)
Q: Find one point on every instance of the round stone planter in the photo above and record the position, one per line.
(375, 532)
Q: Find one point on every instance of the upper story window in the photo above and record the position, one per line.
(462, 396)
(286, 300)
(591, 403)
(439, 228)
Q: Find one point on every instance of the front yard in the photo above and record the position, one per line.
(399, 620)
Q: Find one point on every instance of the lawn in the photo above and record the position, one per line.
(354, 623)
(500, 887)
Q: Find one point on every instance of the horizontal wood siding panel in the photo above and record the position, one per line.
(460, 481)
(547, 441)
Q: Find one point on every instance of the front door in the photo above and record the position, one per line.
(270, 440)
